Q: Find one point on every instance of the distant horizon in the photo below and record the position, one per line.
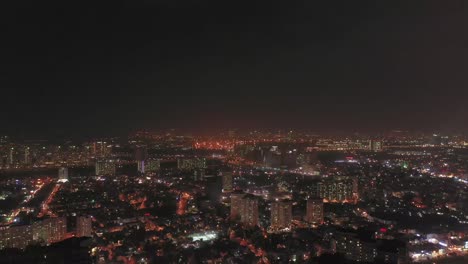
(238, 132)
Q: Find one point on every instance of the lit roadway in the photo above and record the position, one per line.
(14, 213)
(45, 205)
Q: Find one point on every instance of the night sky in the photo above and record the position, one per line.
(88, 69)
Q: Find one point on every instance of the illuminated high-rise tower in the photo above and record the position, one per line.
(314, 211)
(152, 165)
(228, 184)
(249, 215)
(105, 167)
(375, 145)
(281, 214)
(141, 155)
(338, 189)
(141, 166)
(27, 156)
(244, 207)
(63, 174)
(236, 204)
(50, 230)
(83, 226)
(101, 149)
(11, 156)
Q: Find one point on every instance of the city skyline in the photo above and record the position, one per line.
(237, 197)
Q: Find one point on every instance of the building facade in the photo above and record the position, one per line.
(83, 226)
(281, 214)
(314, 212)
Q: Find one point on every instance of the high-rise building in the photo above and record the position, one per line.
(50, 230)
(244, 207)
(236, 204)
(141, 155)
(249, 214)
(376, 145)
(199, 175)
(191, 164)
(314, 212)
(47, 231)
(63, 174)
(228, 184)
(101, 149)
(337, 189)
(16, 236)
(83, 226)
(27, 156)
(141, 166)
(152, 165)
(281, 214)
(105, 167)
(11, 156)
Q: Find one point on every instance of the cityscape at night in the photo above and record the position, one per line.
(239, 197)
(159, 131)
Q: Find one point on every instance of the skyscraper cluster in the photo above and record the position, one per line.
(47, 231)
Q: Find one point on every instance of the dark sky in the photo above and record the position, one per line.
(103, 69)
